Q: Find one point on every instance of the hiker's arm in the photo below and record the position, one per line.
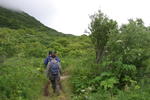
(47, 67)
(60, 68)
(46, 61)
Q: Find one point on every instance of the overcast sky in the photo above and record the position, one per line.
(72, 16)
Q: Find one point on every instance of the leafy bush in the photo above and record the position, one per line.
(17, 78)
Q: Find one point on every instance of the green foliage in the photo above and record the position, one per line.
(22, 51)
(100, 28)
(109, 83)
(24, 43)
(125, 57)
(16, 79)
(131, 44)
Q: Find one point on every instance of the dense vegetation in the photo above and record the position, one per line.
(112, 63)
(121, 69)
(22, 51)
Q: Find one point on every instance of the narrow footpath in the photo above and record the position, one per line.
(64, 95)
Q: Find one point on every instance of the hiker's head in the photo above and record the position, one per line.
(53, 55)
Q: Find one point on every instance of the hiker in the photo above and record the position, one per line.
(49, 57)
(46, 61)
(54, 71)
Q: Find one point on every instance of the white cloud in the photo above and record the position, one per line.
(72, 16)
(43, 10)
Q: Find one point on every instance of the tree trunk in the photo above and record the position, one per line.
(99, 55)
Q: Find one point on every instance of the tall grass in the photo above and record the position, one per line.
(21, 79)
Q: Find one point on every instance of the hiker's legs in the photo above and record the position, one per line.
(57, 83)
(53, 85)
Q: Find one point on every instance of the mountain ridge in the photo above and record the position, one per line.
(20, 20)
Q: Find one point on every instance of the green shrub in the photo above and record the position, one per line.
(17, 78)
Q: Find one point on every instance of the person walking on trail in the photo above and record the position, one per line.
(46, 61)
(54, 71)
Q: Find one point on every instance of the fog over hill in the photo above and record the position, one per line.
(17, 19)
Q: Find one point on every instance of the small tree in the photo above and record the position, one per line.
(100, 28)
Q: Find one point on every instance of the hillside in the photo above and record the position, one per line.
(24, 44)
(21, 20)
(122, 72)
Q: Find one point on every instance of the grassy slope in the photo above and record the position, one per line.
(21, 20)
(27, 48)
(24, 43)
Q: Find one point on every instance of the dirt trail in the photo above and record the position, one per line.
(65, 77)
(65, 95)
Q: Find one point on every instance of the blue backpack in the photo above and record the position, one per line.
(54, 68)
